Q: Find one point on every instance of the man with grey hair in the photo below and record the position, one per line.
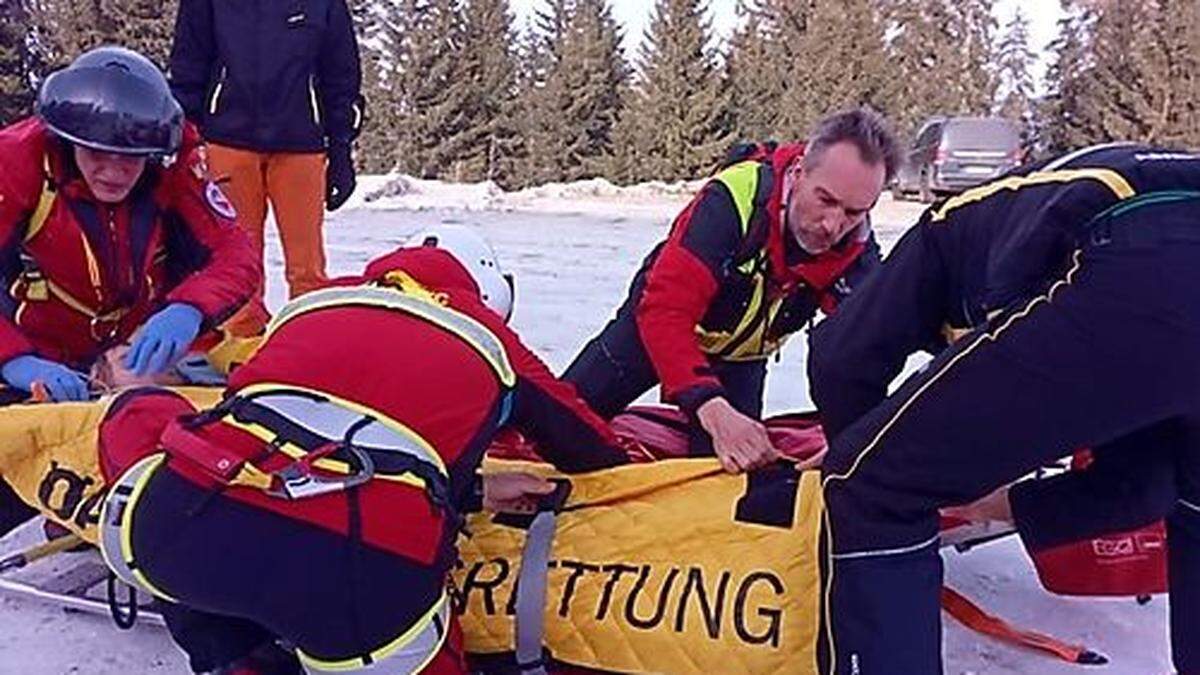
(777, 234)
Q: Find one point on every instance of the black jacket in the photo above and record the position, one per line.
(268, 75)
(981, 252)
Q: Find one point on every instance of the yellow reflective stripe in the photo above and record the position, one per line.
(92, 265)
(385, 651)
(154, 461)
(742, 182)
(1111, 179)
(464, 327)
(42, 212)
(714, 342)
(395, 425)
(757, 346)
(252, 476)
(77, 305)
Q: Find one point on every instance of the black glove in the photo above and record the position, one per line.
(339, 176)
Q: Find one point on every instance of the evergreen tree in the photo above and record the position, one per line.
(1014, 60)
(678, 112)
(488, 71)
(573, 103)
(1146, 71)
(16, 90)
(376, 150)
(751, 71)
(427, 84)
(63, 29)
(974, 27)
(840, 63)
(1067, 120)
(940, 53)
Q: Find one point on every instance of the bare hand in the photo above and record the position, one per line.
(514, 492)
(812, 462)
(994, 507)
(741, 442)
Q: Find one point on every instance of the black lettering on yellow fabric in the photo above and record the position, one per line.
(578, 569)
(711, 613)
(475, 580)
(73, 486)
(660, 605)
(617, 569)
(774, 616)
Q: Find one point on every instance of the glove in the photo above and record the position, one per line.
(163, 339)
(339, 176)
(62, 383)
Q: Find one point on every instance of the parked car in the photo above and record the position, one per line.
(952, 154)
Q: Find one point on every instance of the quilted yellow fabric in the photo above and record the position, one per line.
(48, 454)
(669, 567)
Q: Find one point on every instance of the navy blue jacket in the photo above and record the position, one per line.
(970, 256)
(268, 75)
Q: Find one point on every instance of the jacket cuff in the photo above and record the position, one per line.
(213, 309)
(1022, 499)
(691, 398)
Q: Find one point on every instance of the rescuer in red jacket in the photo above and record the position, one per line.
(109, 224)
(319, 501)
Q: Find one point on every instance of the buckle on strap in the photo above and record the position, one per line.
(320, 434)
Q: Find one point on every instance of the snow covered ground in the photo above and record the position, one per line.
(574, 248)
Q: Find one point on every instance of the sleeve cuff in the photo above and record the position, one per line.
(1022, 499)
(691, 398)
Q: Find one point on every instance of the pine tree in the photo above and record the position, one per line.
(1146, 63)
(574, 101)
(678, 115)
(1014, 61)
(974, 27)
(65, 28)
(1068, 121)
(488, 71)
(376, 150)
(751, 71)
(941, 55)
(841, 65)
(16, 90)
(429, 93)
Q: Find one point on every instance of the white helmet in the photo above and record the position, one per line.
(475, 254)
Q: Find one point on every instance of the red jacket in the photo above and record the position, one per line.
(174, 239)
(693, 282)
(406, 369)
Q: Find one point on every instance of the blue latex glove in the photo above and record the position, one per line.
(62, 383)
(164, 339)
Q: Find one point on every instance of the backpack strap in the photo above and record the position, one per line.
(45, 202)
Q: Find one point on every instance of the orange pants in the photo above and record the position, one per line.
(294, 184)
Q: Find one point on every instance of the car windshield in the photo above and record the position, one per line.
(998, 134)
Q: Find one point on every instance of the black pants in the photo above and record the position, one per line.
(244, 575)
(1109, 358)
(613, 370)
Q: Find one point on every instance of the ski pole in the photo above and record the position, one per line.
(44, 550)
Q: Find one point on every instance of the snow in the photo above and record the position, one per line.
(574, 248)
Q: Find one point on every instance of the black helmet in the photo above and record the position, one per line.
(114, 100)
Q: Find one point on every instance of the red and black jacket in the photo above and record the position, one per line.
(403, 367)
(702, 281)
(92, 272)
